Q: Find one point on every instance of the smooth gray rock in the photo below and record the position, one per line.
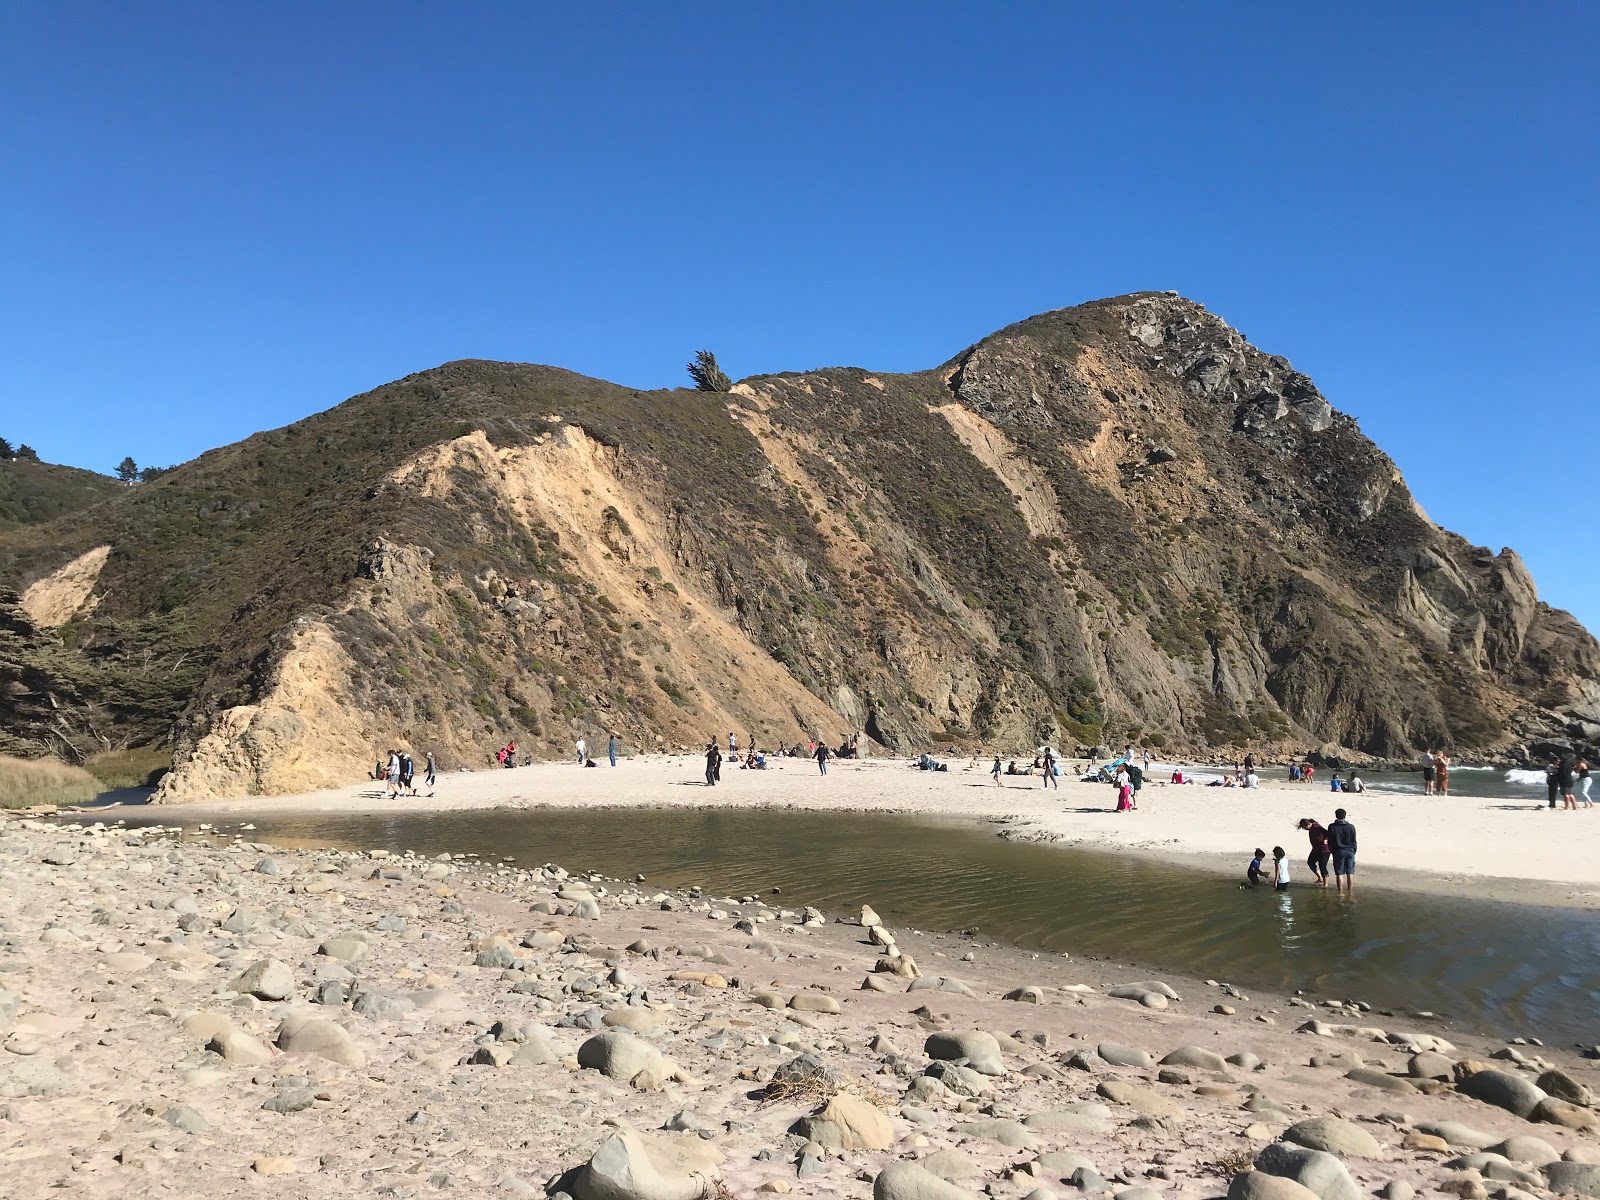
(940, 983)
(1198, 1057)
(911, 1181)
(1317, 1170)
(1119, 1055)
(347, 948)
(1458, 1135)
(1335, 1135)
(1522, 1148)
(999, 1129)
(635, 1166)
(1574, 1178)
(1430, 1064)
(185, 1118)
(980, 1050)
(267, 979)
(619, 1055)
(963, 1081)
(1509, 1092)
(1259, 1185)
(383, 1006)
(313, 1035)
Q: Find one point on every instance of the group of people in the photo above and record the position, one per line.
(753, 759)
(1567, 778)
(612, 747)
(399, 773)
(1435, 773)
(1335, 843)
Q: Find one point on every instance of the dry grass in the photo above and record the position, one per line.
(1232, 1163)
(28, 781)
(814, 1090)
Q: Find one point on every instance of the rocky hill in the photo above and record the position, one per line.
(1112, 522)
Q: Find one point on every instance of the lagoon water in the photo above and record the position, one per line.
(1499, 969)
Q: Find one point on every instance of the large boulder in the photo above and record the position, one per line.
(906, 1181)
(316, 1035)
(1335, 1135)
(638, 1166)
(846, 1123)
(1509, 1092)
(979, 1050)
(1522, 1148)
(1316, 1170)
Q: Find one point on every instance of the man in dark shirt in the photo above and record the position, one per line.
(1342, 841)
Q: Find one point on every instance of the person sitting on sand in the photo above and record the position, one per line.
(1252, 780)
(1177, 776)
(1355, 784)
(1336, 784)
(1253, 872)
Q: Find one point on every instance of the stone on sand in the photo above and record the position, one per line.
(846, 1123)
(904, 1181)
(1140, 1099)
(999, 1129)
(1335, 1135)
(1523, 1148)
(1561, 1086)
(267, 979)
(1509, 1092)
(1119, 1055)
(638, 1166)
(1259, 1185)
(1196, 1056)
(940, 983)
(980, 1050)
(1317, 1170)
(1430, 1064)
(347, 948)
(1458, 1134)
(301, 1034)
(1574, 1178)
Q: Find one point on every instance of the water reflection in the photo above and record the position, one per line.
(1498, 968)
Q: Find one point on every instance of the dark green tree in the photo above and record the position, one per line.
(5, 449)
(707, 376)
(128, 470)
(27, 453)
(146, 474)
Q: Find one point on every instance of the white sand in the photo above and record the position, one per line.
(1503, 849)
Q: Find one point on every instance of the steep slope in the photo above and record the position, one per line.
(1118, 521)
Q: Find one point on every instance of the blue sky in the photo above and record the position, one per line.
(219, 218)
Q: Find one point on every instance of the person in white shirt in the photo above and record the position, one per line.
(1427, 772)
(1252, 780)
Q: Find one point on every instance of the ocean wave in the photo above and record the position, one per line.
(1532, 778)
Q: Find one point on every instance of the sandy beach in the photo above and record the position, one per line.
(201, 1015)
(1496, 849)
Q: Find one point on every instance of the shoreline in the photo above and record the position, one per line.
(1438, 846)
(149, 1067)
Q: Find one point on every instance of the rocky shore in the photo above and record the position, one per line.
(190, 1015)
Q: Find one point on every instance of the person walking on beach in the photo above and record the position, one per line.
(430, 773)
(1427, 772)
(611, 748)
(1342, 841)
(408, 772)
(822, 756)
(1280, 869)
(1583, 784)
(995, 771)
(713, 764)
(1049, 757)
(583, 751)
(1318, 859)
(392, 773)
(1441, 774)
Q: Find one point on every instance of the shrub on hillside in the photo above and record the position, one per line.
(28, 781)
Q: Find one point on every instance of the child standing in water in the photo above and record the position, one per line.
(1280, 870)
(1253, 872)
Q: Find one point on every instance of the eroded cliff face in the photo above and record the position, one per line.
(1114, 522)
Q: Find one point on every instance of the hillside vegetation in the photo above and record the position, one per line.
(1113, 522)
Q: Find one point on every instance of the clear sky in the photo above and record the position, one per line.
(218, 218)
